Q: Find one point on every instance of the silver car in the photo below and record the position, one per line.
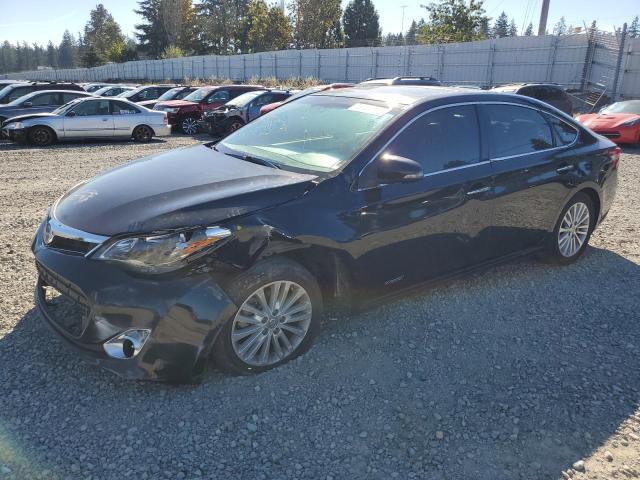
(88, 118)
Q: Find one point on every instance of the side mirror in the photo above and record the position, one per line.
(27, 104)
(396, 169)
(71, 114)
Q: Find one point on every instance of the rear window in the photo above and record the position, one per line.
(514, 130)
(565, 133)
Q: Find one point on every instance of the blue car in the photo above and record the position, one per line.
(44, 101)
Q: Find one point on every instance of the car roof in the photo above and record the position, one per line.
(402, 94)
(53, 90)
(512, 86)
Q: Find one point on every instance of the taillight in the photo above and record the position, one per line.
(614, 156)
(166, 119)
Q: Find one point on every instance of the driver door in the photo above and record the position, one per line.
(436, 224)
(91, 118)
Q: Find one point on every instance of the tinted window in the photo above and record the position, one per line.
(67, 97)
(149, 94)
(565, 133)
(183, 93)
(219, 96)
(515, 130)
(443, 139)
(19, 92)
(92, 107)
(122, 108)
(45, 99)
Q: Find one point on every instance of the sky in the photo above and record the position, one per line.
(39, 21)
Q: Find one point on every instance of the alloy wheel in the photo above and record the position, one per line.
(574, 229)
(143, 134)
(41, 136)
(271, 323)
(235, 126)
(190, 126)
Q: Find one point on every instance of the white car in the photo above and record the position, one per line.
(88, 118)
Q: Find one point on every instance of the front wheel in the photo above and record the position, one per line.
(279, 312)
(189, 126)
(41, 136)
(142, 133)
(234, 125)
(573, 230)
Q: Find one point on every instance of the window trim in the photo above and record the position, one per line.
(484, 162)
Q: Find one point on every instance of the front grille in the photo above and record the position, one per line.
(65, 304)
(71, 245)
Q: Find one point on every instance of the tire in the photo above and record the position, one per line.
(142, 134)
(41, 136)
(189, 125)
(565, 247)
(234, 124)
(267, 331)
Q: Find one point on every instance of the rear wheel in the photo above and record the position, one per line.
(189, 126)
(41, 136)
(573, 230)
(142, 133)
(278, 317)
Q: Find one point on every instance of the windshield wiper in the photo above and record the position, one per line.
(252, 159)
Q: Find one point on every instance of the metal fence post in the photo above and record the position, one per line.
(260, 65)
(492, 50)
(244, 67)
(275, 65)
(346, 66)
(300, 63)
(318, 66)
(407, 70)
(552, 60)
(375, 65)
(616, 76)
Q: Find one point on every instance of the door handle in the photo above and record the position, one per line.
(105, 119)
(565, 169)
(478, 191)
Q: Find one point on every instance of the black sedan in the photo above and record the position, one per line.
(231, 251)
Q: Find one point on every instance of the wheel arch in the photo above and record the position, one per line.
(595, 198)
(144, 125)
(49, 127)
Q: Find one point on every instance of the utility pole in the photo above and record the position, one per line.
(404, 40)
(544, 13)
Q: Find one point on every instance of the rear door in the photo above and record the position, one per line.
(89, 119)
(435, 225)
(529, 175)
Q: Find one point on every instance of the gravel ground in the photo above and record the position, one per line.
(525, 371)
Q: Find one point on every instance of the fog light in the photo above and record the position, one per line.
(127, 344)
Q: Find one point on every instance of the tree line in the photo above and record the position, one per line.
(175, 28)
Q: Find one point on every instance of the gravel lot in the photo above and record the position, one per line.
(519, 372)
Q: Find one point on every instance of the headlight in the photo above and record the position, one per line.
(631, 123)
(15, 125)
(163, 253)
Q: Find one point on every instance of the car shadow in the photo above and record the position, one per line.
(515, 372)
(5, 145)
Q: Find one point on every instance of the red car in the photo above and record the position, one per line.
(619, 121)
(303, 93)
(184, 114)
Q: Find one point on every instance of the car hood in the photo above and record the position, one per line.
(176, 103)
(195, 186)
(606, 120)
(22, 118)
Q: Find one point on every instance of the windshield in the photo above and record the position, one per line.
(19, 100)
(242, 100)
(197, 95)
(130, 93)
(170, 94)
(66, 107)
(632, 106)
(318, 133)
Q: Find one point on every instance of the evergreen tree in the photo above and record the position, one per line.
(412, 34)
(165, 22)
(221, 26)
(361, 24)
(52, 55)
(529, 31)
(316, 23)
(453, 21)
(67, 51)
(501, 26)
(279, 36)
(103, 38)
(560, 28)
(634, 28)
(513, 29)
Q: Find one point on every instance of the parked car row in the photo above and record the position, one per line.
(222, 109)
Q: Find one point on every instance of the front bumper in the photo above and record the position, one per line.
(14, 134)
(184, 313)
